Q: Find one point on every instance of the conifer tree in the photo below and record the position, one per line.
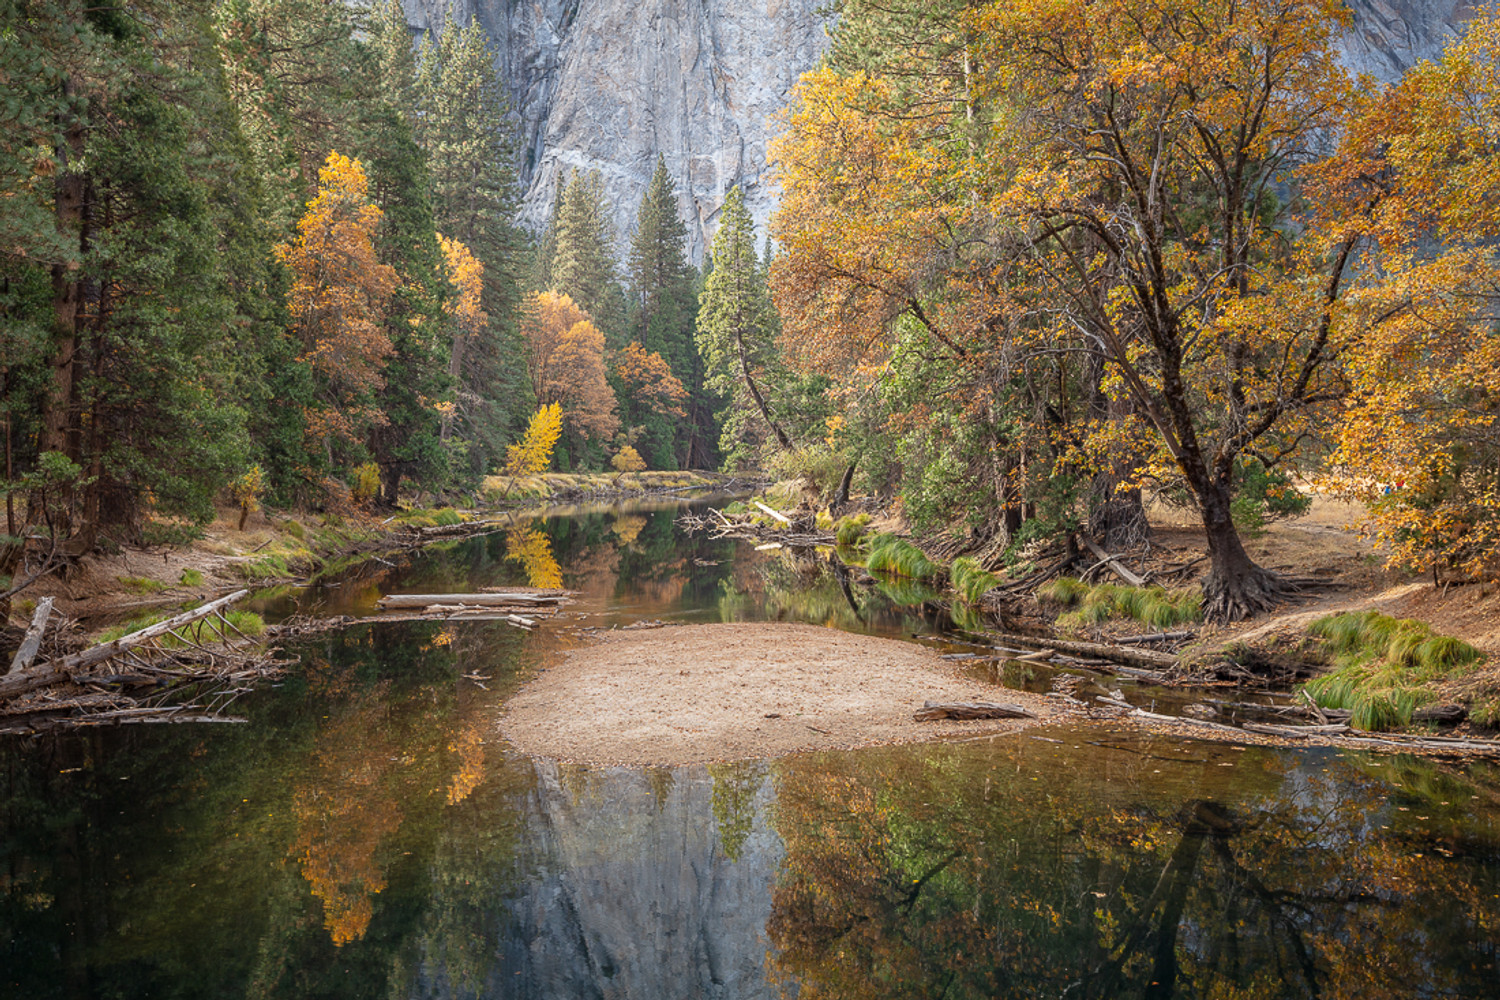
(462, 122)
(736, 331)
(583, 265)
(665, 311)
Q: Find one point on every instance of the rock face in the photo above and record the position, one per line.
(609, 84)
(1388, 36)
(630, 893)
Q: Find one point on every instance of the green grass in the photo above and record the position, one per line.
(897, 557)
(142, 584)
(248, 622)
(1154, 607)
(850, 530)
(1385, 668)
(971, 580)
(191, 578)
(439, 518)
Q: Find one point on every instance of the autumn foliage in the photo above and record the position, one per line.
(533, 453)
(565, 362)
(338, 298)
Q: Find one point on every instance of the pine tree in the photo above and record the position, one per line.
(736, 330)
(462, 122)
(583, 265)
(665, 312)
(409, 443)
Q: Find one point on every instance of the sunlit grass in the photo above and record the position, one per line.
(1154, 607)
(1385, 668)
(971, 580)
(898, 557)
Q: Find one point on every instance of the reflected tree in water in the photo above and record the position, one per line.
(973, 877)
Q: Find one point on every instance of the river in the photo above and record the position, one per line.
(364, 834)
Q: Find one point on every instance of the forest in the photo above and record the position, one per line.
(1034, 263)
(267, 252)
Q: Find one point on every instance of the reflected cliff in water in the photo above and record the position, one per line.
(365, 835)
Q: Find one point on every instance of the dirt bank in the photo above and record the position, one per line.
(700, 693)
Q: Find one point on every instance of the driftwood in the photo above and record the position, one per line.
(56, 671)
(1118, 654)
(1113, 562)
(932, 711)
(135, 678)
(1131, 640)
(778, 515)
(450, 530)
(33, 638)
(516, 598)
(1338, 734)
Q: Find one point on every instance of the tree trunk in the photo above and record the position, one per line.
(67, 201)
(760, 401)
(1236, 587)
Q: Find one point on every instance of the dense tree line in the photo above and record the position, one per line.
(271, 246)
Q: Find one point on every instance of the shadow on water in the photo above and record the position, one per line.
(363, 835)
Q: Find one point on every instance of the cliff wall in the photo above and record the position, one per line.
(608, 84)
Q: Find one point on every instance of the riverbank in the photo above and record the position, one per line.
(706, 693)
(281, 548)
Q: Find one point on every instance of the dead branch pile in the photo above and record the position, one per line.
(189, 668)
(798, 530)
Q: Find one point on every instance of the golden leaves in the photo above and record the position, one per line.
(338, 297)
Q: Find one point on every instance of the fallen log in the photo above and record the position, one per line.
(56, 671)
(391, 601)
(1131, 640)
(32, 641)
(1113, 562)
(778, 515)
(932, 711)
(446, 530)
(1117, 654)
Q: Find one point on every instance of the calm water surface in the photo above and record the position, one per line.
(365, 836)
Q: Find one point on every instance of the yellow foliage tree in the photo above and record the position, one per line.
(627, 459)
(338, 299)
(1418, 177)
(565, 361)
(533, 453)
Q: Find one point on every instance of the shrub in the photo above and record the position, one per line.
(191, 578)
(627, 459)
(364, 485)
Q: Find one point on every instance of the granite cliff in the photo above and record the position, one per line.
(608, 84)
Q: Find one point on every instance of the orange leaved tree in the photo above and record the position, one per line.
(338, 300)
(565, 362)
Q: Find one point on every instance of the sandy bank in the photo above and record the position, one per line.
(701, 693)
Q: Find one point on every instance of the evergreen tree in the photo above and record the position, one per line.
(665, 311)
(736, 334)
(583, 264)
(461, 121)
(417, 380)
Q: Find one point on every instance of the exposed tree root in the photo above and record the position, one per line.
(1235, 597)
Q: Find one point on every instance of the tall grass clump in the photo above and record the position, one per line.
(1154, 607)
(850, 530)
(898, 557)
(971, 580)
(1384, 668)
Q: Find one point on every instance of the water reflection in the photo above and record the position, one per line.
(364, 835)
(1151, 870)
